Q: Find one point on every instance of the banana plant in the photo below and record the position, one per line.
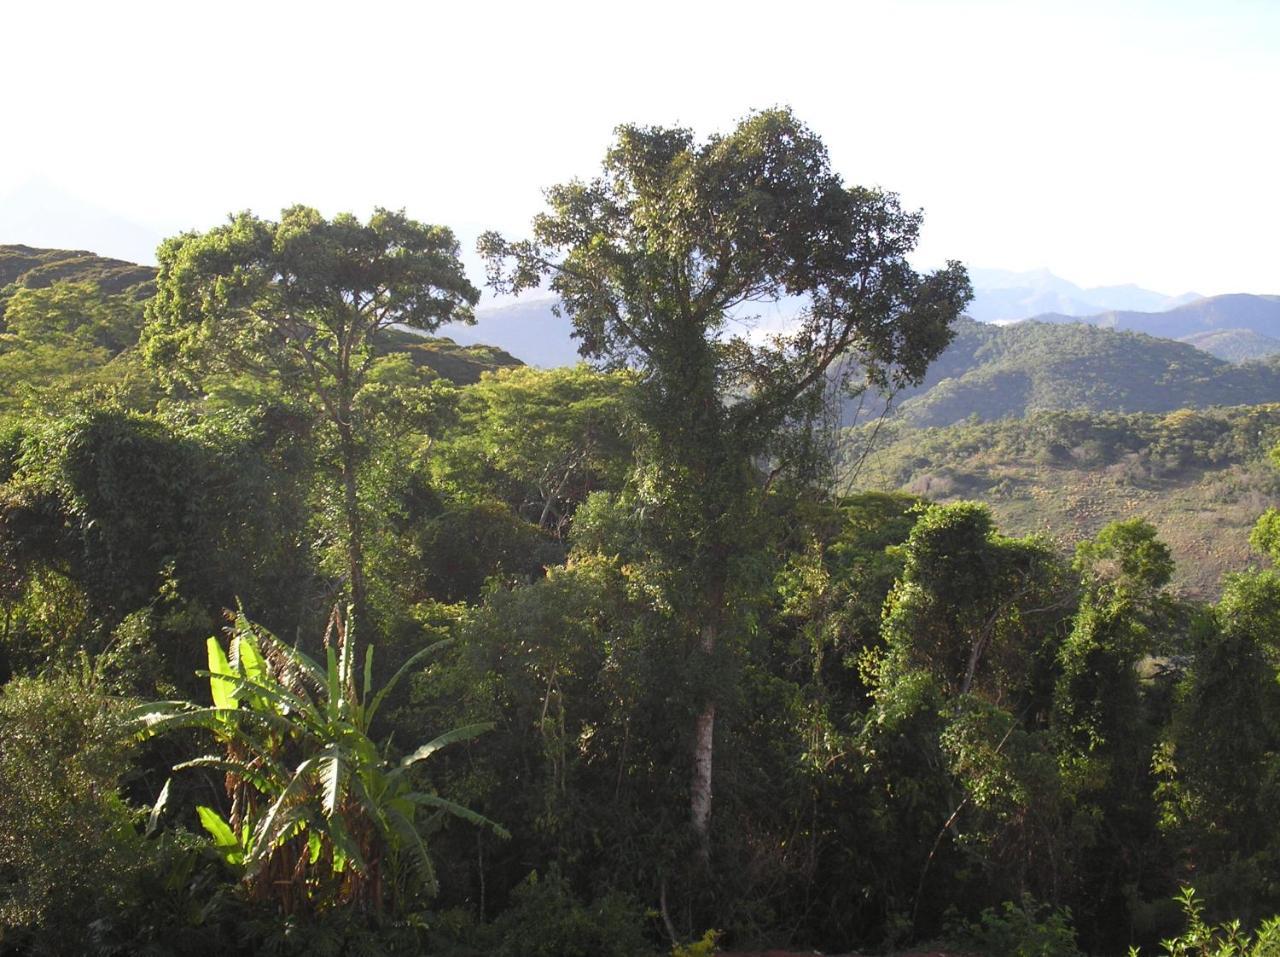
(318, 812)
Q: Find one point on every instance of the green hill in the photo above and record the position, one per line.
(528, 329)
(1235, 345)
(28, 267)
(1202, 477)
(997, 372)
(39, 268)
(460, 364)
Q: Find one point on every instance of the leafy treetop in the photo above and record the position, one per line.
(659, 255)
(304, 297)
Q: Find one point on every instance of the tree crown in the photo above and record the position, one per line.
(303, 295)
(658, 258)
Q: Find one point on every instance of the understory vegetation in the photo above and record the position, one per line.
(317, 636)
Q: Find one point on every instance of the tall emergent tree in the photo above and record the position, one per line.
(658, 262)
(303, 300)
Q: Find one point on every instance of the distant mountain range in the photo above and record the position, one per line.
(527, 329)
(1004, 296)
(1237, 327)
(1244, 326)
(1236, 311)
(41, 214)
(1100, 362)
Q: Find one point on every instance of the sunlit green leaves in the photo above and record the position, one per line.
(305, 780)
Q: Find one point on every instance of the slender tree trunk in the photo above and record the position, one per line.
(714, 575)
(703, 751)
(351, 508)
(704, 736)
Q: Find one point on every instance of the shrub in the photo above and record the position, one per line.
(545, 919)
(319, 814)
(68, 846)
(1023, 928)
(1224, 940)
(705, 946)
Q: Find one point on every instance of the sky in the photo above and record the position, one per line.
(1111, 142)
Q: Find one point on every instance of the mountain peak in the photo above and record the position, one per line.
(1001, 295)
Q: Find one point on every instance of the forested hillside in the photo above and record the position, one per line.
(28, 268)
(70, 322)
(320, 634)
(996, 372)
(1235, 345)
(1201, 477)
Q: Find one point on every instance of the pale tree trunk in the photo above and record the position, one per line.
(703, 736)
(703, 751)
(715, 586)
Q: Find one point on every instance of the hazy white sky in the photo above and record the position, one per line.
(1112, 141)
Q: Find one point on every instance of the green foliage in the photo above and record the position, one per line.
(112, 513)
(1229, 939)
(1097, 699)
(469, 542)
(540, 441)
(705, 946)
(1217, 767)
(1023, 928)
(831, 592)
(577, 669)
(1127, 559)
(66, 339)
(340, 826)
(1009, 715)
(652, 261)
(227, 295)
(69, 850)
(958, 616)
(304, 301)
(76, 314)
(545, 919)
(1265, 537)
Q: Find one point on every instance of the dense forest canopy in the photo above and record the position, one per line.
(323, 636)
